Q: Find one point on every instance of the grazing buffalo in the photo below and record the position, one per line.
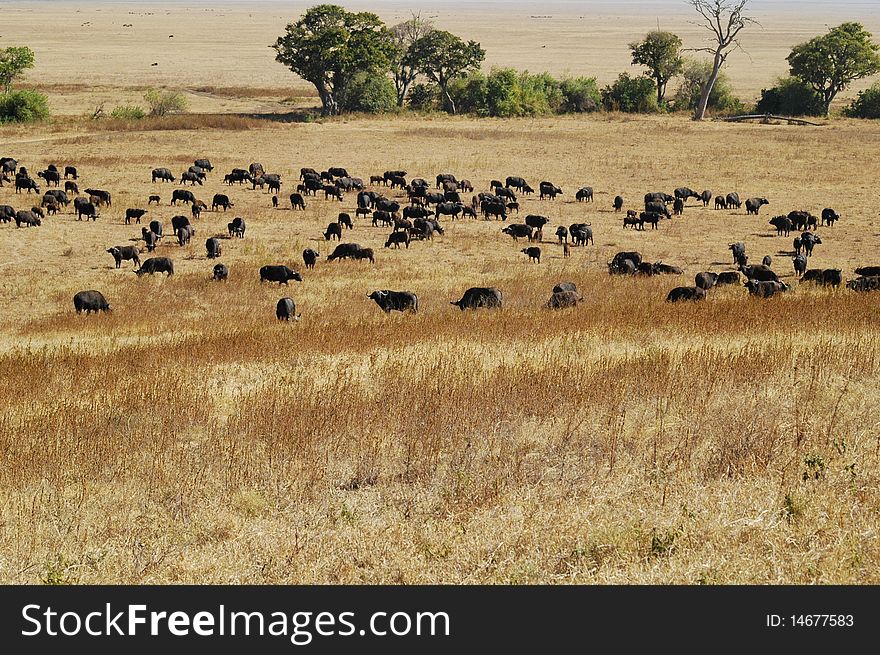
(678, 206)
(7, 213)
(868, 271)
(396, 238)
(197, 208)
(390, 206)
(809, 241)
(497, 209)
(448, 209)
(782, 224)
(70, 171)
(759, 273)
(383, 217)
(26, 183)
(178, 222)
(156, 265)
(550, 190)
(618, 265)
(445, 177)
(156, 228)
(334, 231)
(135, 214)
(708, 280)
(660, 268)
(767, 260)
(864, 283)
(683, 193)
(536, 221)
(517, 230)
(415, 212)
(658, 196)
(534, 254)
(221, 200)
(351, 251)
(279, 274)
(184, 234)
(765, 289)
(286, 310)
(829, 217)
(584, 194)
(182, 195)
(90, 301)
(150, 239)
(517, 183)
(562, 233)
(720, 202)
(163, 174)
(310, 257)
(192, 178)
(125, 253)
(657, 208)
(733, 200)
(27, 218)
(297, 201)
(345, 220)
(826, 277)
(399, 301)
(581, 234)
(564, 286)
(220, 273)
(727, 277)
(706, 196)
(71, 187)
(618, 203)
(213, 247)
(753, 205)
(652, 218)
(51, 177)
(683, 294)
(154, 198)
(59, 196)
(204, 164)
(306, 172)
(563, 299)
(635, 222)
(256, 169)
(800, 264)
(86, 209)
(237, 227)
(103, 197)
(477, 297)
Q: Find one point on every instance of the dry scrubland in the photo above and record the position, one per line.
(189, 437)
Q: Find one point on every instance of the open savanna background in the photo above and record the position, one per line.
(188, 436)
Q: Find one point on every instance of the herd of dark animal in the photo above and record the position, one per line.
(414, 221)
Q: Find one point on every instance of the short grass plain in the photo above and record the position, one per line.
(188, 436)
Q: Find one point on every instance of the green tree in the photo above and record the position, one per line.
(579, 94)
(373, 94)
(660, 53)
(443, 57)
(329, 45)
(165, 102)
(829, 63)
(14, 61)
(630, 94)
(867, 104)
(791, 96)
(23, 106)
(695, 74)
(724, 19)
(403, 68)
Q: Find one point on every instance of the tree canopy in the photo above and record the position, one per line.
(660, 53)
(829, 63)
(443, 57)
(404, 68)
(329, 45)
(13, 62)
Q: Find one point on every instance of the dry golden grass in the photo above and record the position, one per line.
(190, 437)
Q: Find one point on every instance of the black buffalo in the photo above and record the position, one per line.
(163, 174)
(563, 299)
(584, 194)
(286, 310)
(310, 257)
(213, 248)
(182, 195)
(400, 301)
(682, 294)
(478, 297)
(279, 274)
(220, 273)
(125, 253)
(90, 301)
(156, 265)
(351, 251)
(753, 205)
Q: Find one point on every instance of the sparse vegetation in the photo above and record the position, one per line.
(128, 112)
(23, 106)
(163, 102)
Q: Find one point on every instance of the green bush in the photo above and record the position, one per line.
(23, 106)
(470, 94)
(422, 96)
(721, 99)
(631, 94)
(579, 94)
(791, 97)
(165, 102)
(128, 112)
(866, 105)
(373, 94)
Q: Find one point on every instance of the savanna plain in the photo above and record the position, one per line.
(189, 437)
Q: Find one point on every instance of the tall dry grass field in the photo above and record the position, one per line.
(188, 436)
